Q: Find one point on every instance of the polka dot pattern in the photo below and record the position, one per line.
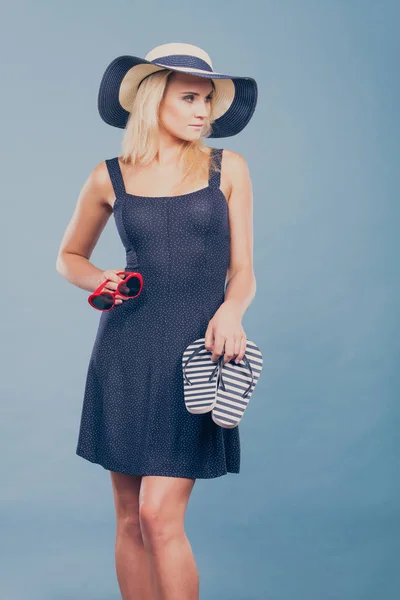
(134, 419)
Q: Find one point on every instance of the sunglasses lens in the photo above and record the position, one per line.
(103, 301)
(130, 287)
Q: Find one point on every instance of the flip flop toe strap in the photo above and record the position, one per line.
(220, 381)
(194, 353)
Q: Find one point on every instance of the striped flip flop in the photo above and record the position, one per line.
(199, 377)
(235, 385)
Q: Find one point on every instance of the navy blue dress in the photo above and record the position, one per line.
(134, 419)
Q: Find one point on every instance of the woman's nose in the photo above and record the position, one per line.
(202, 111)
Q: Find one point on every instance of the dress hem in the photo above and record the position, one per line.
(155, 472)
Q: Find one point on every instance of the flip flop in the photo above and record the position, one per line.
(199, 377)
(235, 385)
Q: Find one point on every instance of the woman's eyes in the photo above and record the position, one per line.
(191, 96)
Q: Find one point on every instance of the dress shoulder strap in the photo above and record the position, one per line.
(114, 171)
(215, 176)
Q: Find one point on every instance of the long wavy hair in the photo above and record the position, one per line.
(140, 141)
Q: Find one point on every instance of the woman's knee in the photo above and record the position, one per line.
(162, 507)
(158, 524)
(126, 501)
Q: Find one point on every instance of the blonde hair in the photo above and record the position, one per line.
(140, 141)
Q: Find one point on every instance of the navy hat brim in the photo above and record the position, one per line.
(230, 123)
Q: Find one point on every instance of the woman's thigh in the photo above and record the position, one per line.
(126, 490)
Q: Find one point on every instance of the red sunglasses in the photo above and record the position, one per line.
(130, 287)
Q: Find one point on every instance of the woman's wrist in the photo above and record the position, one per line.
(234, 305)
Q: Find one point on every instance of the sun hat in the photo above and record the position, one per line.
(235, 97)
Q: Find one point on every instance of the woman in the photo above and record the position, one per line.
(184, 216)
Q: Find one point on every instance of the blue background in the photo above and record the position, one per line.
(314, 513)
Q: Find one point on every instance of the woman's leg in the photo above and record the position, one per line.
(163, 502)
(130, 555)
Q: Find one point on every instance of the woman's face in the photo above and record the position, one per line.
(186, 103)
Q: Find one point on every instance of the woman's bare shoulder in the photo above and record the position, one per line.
(101, 182)
(235, 165)
(233, 160)
(234, 169)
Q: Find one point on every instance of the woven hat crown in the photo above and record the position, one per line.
(180, 55)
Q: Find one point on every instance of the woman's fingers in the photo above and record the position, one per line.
(113, 280)
(243, 343)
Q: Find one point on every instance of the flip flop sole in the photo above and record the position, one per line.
(199, 394)
(230, 405)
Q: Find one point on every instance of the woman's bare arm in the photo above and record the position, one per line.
(83, 232)
(241, 281)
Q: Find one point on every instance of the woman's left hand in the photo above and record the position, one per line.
(225, 334)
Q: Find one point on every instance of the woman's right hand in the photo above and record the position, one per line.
(113, 281)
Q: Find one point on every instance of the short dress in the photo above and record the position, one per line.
(134, 419)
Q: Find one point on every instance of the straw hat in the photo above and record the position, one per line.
(235, 97)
